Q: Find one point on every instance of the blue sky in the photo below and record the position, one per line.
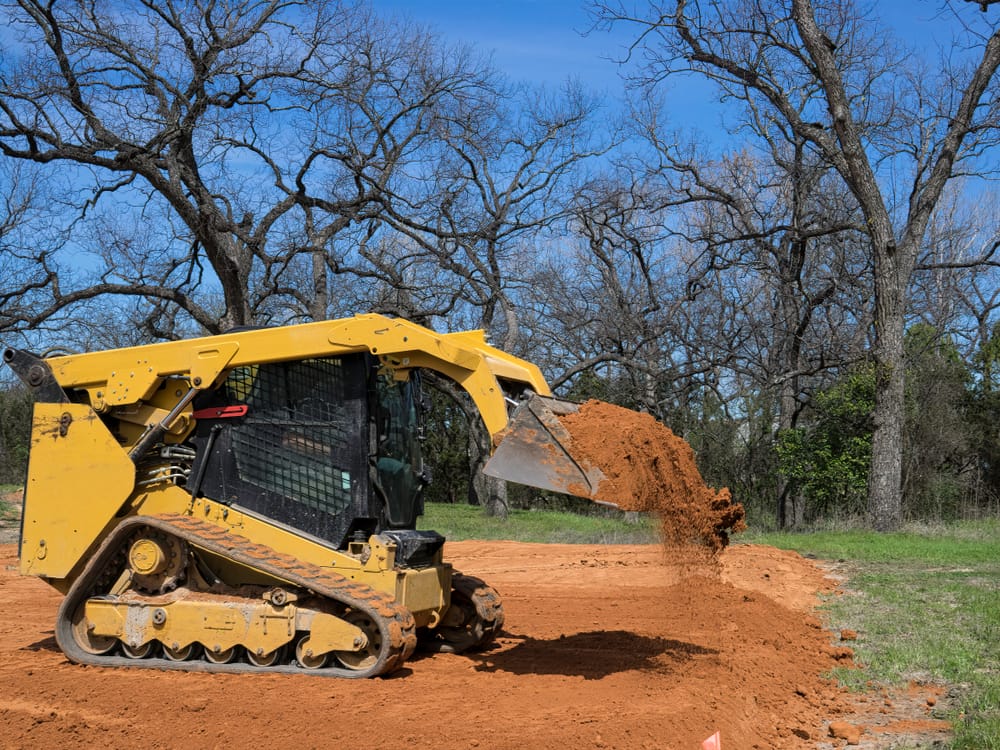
(544, 41)
(534, 40)
(547, 41)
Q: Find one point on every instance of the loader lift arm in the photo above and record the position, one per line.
(127, 376)
(531, 446)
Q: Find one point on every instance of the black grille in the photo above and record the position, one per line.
(295, 438)
(300, 455)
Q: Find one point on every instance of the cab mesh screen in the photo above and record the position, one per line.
(295, 439)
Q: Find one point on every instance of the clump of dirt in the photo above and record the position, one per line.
(649, 469)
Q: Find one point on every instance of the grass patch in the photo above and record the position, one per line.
(459, 521)
(8, 511)
(926, 602)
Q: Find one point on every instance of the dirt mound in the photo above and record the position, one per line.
(648, 468)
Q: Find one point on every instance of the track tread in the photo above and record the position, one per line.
(478, 633)
(396, 623)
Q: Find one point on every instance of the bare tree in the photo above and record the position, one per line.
(728, 280)
(21, 271)
(502, 181)
(818, 67)
(956, 286)
(250, 135)
(612, 299)
(131, 98)
(29, 269)
(784, 241)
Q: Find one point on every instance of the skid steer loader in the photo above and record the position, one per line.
(247, 501)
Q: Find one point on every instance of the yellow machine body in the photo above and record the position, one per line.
(85, 504)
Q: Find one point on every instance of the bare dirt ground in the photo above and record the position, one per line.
(604, 647)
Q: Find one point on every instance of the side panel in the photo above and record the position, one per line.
(78, 477)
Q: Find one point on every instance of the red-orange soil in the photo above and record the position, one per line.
(604, 647)
(650, 469)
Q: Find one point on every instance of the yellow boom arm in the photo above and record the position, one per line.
(121, 377)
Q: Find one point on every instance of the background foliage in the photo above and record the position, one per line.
(205, 165)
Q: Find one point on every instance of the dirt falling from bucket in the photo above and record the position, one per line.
(649, 469)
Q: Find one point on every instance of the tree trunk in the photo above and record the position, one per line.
(885, 492)
(791, 512)
(791, 505)
(488, 492)
(319, 303)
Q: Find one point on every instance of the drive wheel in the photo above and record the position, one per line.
(368, 655)
(92, 644)
(182, 653)
(137, 652)
(157, 561)
(265, 660)
(221, 657)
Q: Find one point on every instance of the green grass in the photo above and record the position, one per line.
(942, 544)
(459, 522)
(926, 603)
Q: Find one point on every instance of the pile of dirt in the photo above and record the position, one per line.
(649, 469)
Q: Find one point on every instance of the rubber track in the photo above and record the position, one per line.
(395, 622)
(489, 610)
(486, 601)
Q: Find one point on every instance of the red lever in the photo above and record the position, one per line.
(222, 412)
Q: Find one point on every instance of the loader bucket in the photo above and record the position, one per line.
(537, 450)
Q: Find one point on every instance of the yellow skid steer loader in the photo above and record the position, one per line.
(247, 501)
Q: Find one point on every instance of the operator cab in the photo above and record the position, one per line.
(328, 446)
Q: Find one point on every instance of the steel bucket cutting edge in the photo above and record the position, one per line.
(537, 450)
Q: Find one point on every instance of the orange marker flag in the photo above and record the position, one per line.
(712, 743)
